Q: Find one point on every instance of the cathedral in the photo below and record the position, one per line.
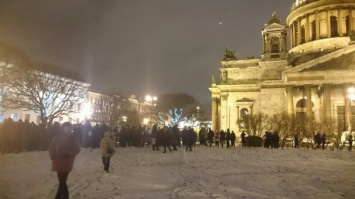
(314, 78)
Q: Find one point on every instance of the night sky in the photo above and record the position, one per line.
(139, 46)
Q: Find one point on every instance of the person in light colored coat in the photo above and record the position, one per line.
(62, 151)
(107, 146)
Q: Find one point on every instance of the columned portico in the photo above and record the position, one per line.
(347, 106)
(308, 93)
(290, 108)
(215, 117)
(326, 102)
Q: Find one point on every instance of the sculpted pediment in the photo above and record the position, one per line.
(245, 99)
(274, 26)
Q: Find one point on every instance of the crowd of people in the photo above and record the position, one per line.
(24, 136)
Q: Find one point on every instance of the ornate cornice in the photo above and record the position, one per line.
(300, 11)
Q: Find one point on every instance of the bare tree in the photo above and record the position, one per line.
(254, 123)
(47, 90)
(177, 106)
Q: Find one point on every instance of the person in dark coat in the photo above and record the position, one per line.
(210, 136)
(166, 138)
(154, 137)
(243, 139)
(62, 151)
(296, 140)
(323, 140)
(228, 138)
(176, 137)
(317, 140)
(201, 136)
(184, 136)
(268, 140)
(233, 137)
(275, 140)
(190, 138)
(223, 137)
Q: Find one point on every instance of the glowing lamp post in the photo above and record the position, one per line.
(86, 111)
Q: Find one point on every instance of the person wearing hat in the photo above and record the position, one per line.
(107, 146)
(62, 151)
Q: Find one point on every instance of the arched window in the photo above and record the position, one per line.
(275, 45)
(333, 26)
(314, 30)
(301, 107)
(243, 117)
(303, 34)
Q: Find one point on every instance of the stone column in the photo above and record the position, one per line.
(317, 25)
(307, 29)
(308, 93)
(294, 35)
(328, 24)
(264, 44)
(214, 113)
(299, 31)
(347, 106)
(291, 35)
(290, 109)
(267, 43)
(340, 25)
(327, 113)
(238, 120)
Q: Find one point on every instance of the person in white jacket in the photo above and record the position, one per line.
(107, 146)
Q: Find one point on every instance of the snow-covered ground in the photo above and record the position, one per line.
(202, 173)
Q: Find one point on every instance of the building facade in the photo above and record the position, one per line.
(314, 78)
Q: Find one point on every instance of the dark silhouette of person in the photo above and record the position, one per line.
(242, 135)
(190, 138)
(317, 140)
(324, 139)
(233, 137)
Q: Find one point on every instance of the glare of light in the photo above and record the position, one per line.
(87, 110)
(124, 118)
(351, 92)
(220, 23)
(145, 120)
(198, 108)
(148, 98)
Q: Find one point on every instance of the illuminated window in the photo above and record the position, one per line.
(13, 116)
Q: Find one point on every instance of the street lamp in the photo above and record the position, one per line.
(149, 99)
(229, 113)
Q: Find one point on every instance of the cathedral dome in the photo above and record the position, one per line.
(313, 20)
(274, 19)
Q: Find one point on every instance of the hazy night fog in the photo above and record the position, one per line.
(139, 47)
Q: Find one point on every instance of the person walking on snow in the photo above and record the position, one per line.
(62, 151)
(107, 146)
